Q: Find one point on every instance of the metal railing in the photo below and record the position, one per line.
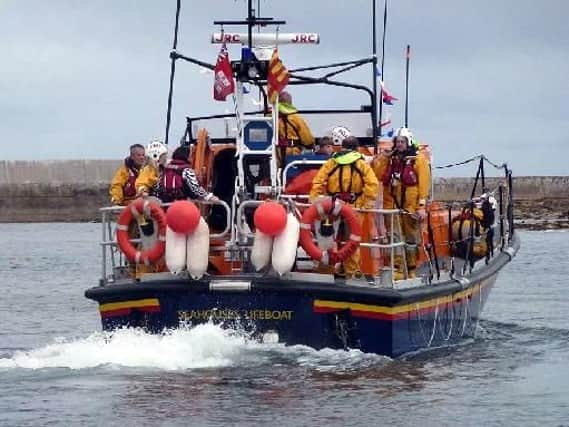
(240, 233)
(110, 253)
(392, 246)
(297, 163)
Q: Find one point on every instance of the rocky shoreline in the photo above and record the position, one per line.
(542, 214)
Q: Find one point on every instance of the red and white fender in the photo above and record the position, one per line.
(197, 250)
(175, 251)
(262, 250)
(284, 246)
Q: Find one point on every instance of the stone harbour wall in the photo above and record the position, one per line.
(73, 190)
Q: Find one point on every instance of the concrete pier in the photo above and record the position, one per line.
(74, 190)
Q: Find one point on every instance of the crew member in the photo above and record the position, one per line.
(405, 175)
(122, 189)
(348, 177)
(294, 133)
(157, 154)
(324, 147)
(178, 180)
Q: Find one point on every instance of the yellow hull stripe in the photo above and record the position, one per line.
(342, 305)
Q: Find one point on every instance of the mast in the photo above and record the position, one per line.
(173, 58)
(374, 121)
(382, 65)
(407, 57)
(250, 23)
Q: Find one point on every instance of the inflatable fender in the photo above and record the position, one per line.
(197, 250)
(262, 249)
(175, 251)
(284, 246)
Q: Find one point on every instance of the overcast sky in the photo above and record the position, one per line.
(85, 79)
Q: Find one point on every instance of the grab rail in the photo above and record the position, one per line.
(239, 216)
(108, 242)
(295, 163)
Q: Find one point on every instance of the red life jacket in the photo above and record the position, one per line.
(129, 189)
(171, 186)
(400, 169)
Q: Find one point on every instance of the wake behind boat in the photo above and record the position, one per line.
(265, 255)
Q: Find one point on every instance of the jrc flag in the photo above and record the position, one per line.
(277, 77)
(224, 84)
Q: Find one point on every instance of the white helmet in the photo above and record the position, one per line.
(339, 133)
(404, 132)
(155, 149)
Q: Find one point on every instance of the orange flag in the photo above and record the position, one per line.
(277, 77)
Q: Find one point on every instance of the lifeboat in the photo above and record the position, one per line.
(255, 257)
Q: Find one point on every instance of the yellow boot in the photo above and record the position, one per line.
(398, 275)
(398, 271)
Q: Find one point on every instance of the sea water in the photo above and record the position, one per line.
(58, 368)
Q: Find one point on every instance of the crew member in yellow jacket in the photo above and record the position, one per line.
(405, 174)
(294, 132)
(148, 178)
(348, 177)
(122, 189)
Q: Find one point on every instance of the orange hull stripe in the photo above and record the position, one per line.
(126, 311)
(140, 303)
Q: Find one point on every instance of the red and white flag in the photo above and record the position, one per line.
(387, 97)
(223, 84)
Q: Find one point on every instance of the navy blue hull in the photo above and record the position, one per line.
(335, 315)
(335, 318)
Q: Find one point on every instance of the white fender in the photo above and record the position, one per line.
(262, 249)
(175, 254)
(284, 246)
(197, 246)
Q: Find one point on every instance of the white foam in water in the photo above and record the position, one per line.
(203, 346)
(338, 360)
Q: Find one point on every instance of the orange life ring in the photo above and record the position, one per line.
(319, 210)
(137, 208)
(200, 156)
